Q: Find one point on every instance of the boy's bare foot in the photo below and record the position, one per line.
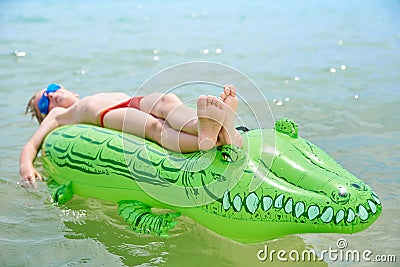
(211, 116)
(228, 134)
(228, 96)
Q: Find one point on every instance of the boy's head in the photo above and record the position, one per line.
(54, 95)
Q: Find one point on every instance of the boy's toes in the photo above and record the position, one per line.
(202, 102)
(222, 96)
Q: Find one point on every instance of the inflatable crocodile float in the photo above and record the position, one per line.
(276, 184)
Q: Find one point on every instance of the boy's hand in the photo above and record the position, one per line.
(28, 177)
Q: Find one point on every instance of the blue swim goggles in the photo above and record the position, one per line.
(44, 101)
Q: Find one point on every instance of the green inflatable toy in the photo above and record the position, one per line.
(276, 184)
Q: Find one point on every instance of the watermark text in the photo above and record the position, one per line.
(338, 253)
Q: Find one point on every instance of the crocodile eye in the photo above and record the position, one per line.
(229, 154)
(356, 186)
(226, 157)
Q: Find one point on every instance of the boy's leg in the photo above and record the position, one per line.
(170, 108)
(211, 116)
(206, 122)
(178, 141)
(132, 120)
(144, 125)
(228, 134)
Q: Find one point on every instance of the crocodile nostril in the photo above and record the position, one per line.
(342, 192)
(357, 186)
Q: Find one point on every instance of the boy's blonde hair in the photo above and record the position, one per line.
(30, 108)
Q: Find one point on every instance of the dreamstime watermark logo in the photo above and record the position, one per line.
(340, 253)
(175, 178)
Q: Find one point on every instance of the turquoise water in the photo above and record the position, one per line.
(336, 62)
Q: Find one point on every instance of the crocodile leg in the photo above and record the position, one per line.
(143, 220)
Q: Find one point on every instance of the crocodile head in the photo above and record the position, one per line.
(288, 179)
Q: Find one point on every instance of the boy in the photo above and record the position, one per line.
(158, 117)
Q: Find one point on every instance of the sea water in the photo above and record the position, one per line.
(332, 66)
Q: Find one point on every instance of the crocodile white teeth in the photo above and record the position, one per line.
(362, 212)
(372, 206)
(327, 215)
(313, 212)
(339, 216)
(267, 203)
(350, 216)
(225, 201)
(299, 209)
(237, 203)
(252, 202)
(375, 197)
(289, 206)
(279, 201)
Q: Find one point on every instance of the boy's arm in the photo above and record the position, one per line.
(28, 154)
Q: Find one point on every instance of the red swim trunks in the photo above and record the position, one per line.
(134, 102)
